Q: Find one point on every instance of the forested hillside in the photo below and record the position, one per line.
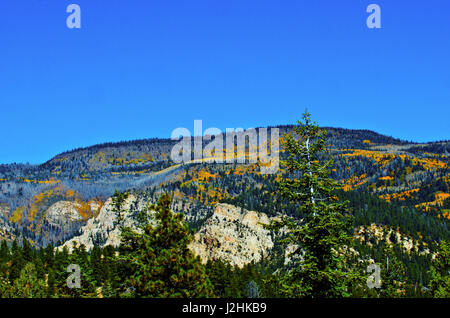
(398, 195)
(412, 177)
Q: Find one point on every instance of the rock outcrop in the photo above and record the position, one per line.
(231, 233)
(234, 235)
(104, 229)
(5, 229)
(66, 212)
(6, 232)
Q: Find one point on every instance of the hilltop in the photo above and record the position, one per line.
(411, 175)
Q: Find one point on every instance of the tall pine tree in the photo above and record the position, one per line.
(321, 237)
(440, 272)
(159, 261)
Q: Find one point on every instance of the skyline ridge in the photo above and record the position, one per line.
(116, 143)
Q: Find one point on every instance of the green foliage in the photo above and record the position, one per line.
(393, 275)
(160, 262)
(154, 261)
(17, 261)
(224, 279)
(253, 290)
(28, 285)
(250, 281)
(118, 199)
(322, 237)
(6, 290)
(440, 272)
(5, 256)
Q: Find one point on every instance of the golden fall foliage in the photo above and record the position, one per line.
(381, 159)
(429, 163)
(85, 208)
(16, 216)
(440, 197)
(51, 181)
(204, 175)
(402, 196)
(445, 214)
(41, 200)
(354, 182)
(204, 193)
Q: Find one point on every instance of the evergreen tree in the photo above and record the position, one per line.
(107, 290)
(321, 237)
(118, 199)
(96, 263)
(27, 252)
(5, 257)
(17, 261)
(80, 257)
(160, 263)
(224, 279)
(109, 269)
(6, 290)
(440, 272)
(61, 262)
(393, 274)
(51, 283)
(49, 256)
(253, 290)
(28, 285)
(4, 252)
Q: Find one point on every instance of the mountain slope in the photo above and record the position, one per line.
(406, 175)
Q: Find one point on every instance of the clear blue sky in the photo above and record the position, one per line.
(139, 69)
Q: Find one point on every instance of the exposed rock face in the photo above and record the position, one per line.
(63, 212)
(104, 230)
(6, 231)
(234, 235)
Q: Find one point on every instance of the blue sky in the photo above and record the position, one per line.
(139, 69)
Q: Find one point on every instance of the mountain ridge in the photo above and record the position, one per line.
(157, 139)
(411, 174)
